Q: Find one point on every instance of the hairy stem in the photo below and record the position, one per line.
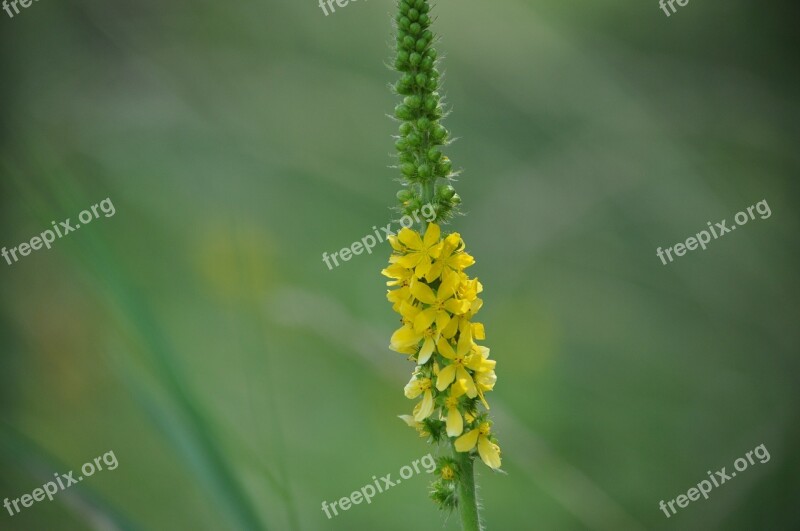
(467, 501)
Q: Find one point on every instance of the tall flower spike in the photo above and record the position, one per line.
(435, 298)
(426, 172)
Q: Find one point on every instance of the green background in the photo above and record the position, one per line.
(240, 383)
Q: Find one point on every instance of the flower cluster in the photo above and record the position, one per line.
(437, 302)
(420, 159)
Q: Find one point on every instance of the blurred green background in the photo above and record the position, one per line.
(240, 383)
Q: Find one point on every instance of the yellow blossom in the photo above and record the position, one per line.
(408, 336)
(460, 361)
(489, 452)
(421, 386)
(455, 422)
(451, 258)
(419, 426)
(447, 473)
(419, 251)
(441, 304)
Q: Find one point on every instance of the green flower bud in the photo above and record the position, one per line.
(402, 112)
(405, 128)
(414, 59)
(425, 20)
(439, 133)
(404, 22)
(424, 171)
(434, 155)
(409, 43)
(405, 195)
(446, 192)
(403, 88)
(413, 204)
(404, 156)
(415, 28)
(427, 62)
(420, 45)
(402, 56)
(455, 200)
(421, 79)
(413, 102)
(413, 14)
(423, 124)
(445, 167)
(431, 102)
(414, 139)
(407, 169)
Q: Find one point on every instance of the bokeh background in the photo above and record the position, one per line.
(199, 336)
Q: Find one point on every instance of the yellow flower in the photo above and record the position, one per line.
(408, 336)
(447, 473)
(420, 386)
(484, 377)
(419, 251)
(455, 422)
(452, 257)
(460, 361)
(402, 278)
(439, 304)
(489, 452)
(419, 426)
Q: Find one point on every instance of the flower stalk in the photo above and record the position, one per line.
(436, 299)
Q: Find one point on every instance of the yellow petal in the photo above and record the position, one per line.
(466, 380)
(489, 452)
(426, 351)
(409, 261)
(422, 292)
(456, 307)
(450, 330)
(446, 377)
(404, 337)
(464, 340)
(455, 424)
(423, 267)
(467, 442)
(434, 272)
(446, 350)
(412, 388)
(408, 419)
(478, 331)
(410, 239)
(448, 287)
(424, 319)
(432, 234)
(442, 320)
(395, 243)
(426, 408)
(461, 261)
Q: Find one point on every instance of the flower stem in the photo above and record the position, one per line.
(467, 501)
